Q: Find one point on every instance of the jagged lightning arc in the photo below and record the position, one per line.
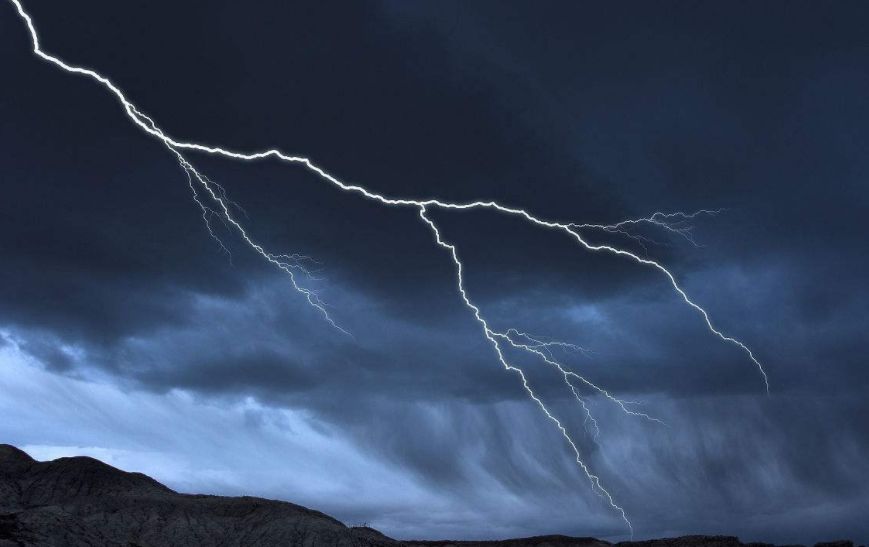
(295, 265)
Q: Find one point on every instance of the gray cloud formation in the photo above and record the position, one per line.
(120, 315)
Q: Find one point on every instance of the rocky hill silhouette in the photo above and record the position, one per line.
(82, 501)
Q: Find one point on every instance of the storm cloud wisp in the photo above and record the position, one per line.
(216, 202)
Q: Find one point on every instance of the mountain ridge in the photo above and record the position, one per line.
(78, 501)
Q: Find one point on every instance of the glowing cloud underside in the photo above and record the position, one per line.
(213, 202)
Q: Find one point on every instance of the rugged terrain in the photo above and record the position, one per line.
(82, 501)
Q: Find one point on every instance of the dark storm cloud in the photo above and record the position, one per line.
(575, 112)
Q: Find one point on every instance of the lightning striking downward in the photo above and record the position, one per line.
(212, 200)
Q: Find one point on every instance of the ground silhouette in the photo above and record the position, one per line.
(82, 501)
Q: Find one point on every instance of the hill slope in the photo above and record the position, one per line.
(82, 501)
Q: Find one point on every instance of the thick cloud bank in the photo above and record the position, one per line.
(129, 335)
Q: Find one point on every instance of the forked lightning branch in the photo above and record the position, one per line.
(212, 200)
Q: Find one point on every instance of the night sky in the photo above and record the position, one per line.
(128, 334)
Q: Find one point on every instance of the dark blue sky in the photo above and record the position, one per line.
(127, 334)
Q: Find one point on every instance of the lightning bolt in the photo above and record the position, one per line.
(493, 337)
(216, 203)
(676, 223)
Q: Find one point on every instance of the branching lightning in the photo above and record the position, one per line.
(493, 337)
(677, 223)
(212, 200)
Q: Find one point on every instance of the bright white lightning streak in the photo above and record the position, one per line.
(676, 223)
(207, 213)
(291, 263)
(547, 348)
(539, 348)
(547, 345)
(493, 337)
(661, 220)
(277, 260)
